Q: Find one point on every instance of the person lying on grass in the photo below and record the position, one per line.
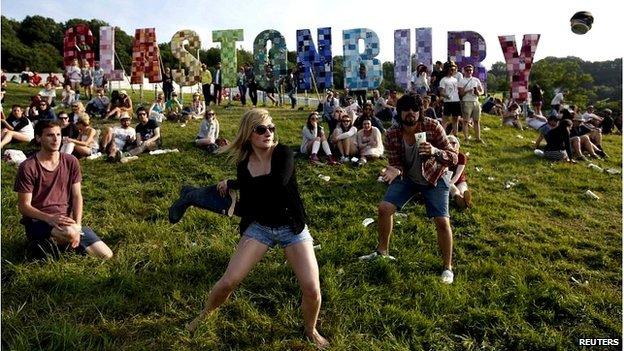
(271, 213)
(48, 186)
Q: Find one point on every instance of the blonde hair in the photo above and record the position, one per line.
(453, 138)
(83, 118)
(240, 147)
(81, 108)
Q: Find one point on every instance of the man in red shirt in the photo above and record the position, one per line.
(50, 199)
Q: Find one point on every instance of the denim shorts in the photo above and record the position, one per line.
(400, 191)
(40, 230)
(283, 235)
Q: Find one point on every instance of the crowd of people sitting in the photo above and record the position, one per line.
(355, 130)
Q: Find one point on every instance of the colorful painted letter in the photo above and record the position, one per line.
(456, 49)
(309, 59)
(186, 58)
(107, 54)
(145, 57)
(362, 71)
(229, 63)
(78, 44)
(402, 57)
(276, 58)
(519, 65)
(424, 47)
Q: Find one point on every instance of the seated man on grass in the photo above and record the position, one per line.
(147, 134)
(116, 140)
(50, 199)
(16, 127)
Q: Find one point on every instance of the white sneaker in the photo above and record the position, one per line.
(375, 255)
(447, 276)
(344, 159)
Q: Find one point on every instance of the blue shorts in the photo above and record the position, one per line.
(400, 191)
(283, 236)
(40, 230)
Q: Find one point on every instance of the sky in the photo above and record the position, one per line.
(549, 18)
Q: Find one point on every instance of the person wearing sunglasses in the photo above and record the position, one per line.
(343, 138)
(417, 163)
(147, 134)
(313, 138)
(157, 110)
(44, 112)
(271, 213)
(86, 143)
(208, 132)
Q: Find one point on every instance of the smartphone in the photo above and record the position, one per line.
(421, 138)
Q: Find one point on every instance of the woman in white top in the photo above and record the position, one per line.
(369, 141)
(156, 111)
(87, 142)
(74, 74)
(313, 137)
(198, 107)
(344, 138)
(420, 81)
(208, 132)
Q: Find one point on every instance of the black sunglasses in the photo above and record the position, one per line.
(261, 129)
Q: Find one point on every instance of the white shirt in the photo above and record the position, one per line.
(121, 136)
(449, 86)
(468, 84)
(557, 100)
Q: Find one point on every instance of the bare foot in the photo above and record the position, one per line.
(191, 327)
(319, 341)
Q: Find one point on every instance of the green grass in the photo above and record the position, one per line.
(515, 256)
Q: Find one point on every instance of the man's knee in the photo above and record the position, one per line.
(100, 250)
(442, 223)
(386, 209)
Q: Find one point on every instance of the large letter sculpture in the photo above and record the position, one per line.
(229, 63)
(276, 56)
(519, 65)
(456, 44)
(107, 54)
(362, 71)
(186, 58)
(309, 59)
(402, 57)
(424, 47)
(78, 44)
(145, 57)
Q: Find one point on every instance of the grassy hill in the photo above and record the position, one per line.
(537, 265)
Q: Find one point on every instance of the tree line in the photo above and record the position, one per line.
(37, 42)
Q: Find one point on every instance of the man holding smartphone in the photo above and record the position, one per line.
(417, 166)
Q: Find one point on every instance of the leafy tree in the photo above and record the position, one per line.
(243, 56)
(388, 82)
(338, 72)
(38, 29)
(553, 73)
(498, 79)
